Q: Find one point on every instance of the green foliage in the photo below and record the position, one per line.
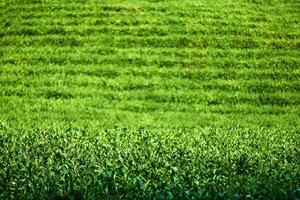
(126, 163)
(215, 84)
(150, 63)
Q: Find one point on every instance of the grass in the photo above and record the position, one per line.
(149, 99)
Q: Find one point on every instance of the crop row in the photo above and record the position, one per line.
(148, 30)
(27, 112)
(134, 82)
(150, 25)
(175, 41)
(127, 62)
(211, 95)
(190, 9)
(90, 74)
(207, 104)
(101, 50)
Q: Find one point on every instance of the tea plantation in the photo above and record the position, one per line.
(150, 99)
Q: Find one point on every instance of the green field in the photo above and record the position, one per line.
(156, 99)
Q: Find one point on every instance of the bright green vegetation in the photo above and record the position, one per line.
(134, 164)
(150, 99)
